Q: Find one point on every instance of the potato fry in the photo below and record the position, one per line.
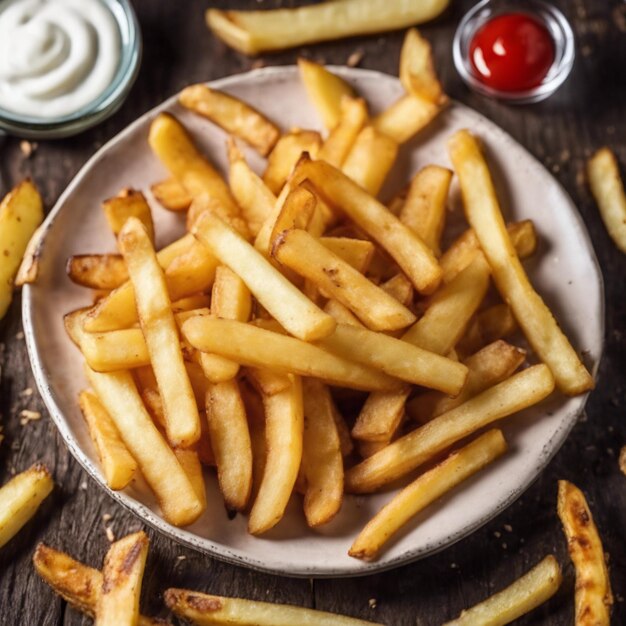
(352, 118)
(234, 116)
(20, 498)
(356, 252)
(230, 441)
(21, 212)
(208, 610)
(29, 267)
(267, 382)
(533, 316)
(284, 423)
(489, 325)
(296, 212)
(400, 288)
(97, 271)
(409, 452)
(381, 416)
(519, 598)
(425, 490)
(405, 118)
(252, 32)
(171, 195)
(375, 308)
(342, 314)
(118, 604)
(161, 334)
(608, 190)
(593, 598)
(128, 203)
(117, 463)
(286, 303)
(158, 464)
(192, 305)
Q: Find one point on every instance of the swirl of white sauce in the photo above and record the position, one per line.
(56, 56)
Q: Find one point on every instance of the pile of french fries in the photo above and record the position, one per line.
(303, 336)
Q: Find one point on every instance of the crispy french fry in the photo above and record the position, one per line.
(296, 212)
(286, 303)
(208, 610)
(20, 498)
(267, 382)
(128, 203)
(21, 212)
(97, 271)
(252, 32)
(161, 334)
(29, 267)
(257, 347)
(337, 146)
(171, 194)
(356, 252)
(409, 452)
(367, 449)
(158, 464)
(381, 416)
(608, 190)
(400, 288)
(231, 114)
(284, 422)
(342, 314)
(118, 604)
(230, 441)
(425, 490)
(593, 598)
(519, 598)
(117, 463)
(534, 317)
(406, 117)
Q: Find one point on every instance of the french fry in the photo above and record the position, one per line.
(608, 190)
(534, 317)
(21, 212)
(118, 604)
(322, 462)
(20, 498)
(252, 32)
(526, 593)
(161, 334)
(409, 452)
(370, 159)
(128, 203)
(267, 382)
(257, 347)
(29, 267)
(425, 490)
(400, 288)
(405, 118)
(356, 252)
(352, 118)
(296, 212)
(593, 597)
(489, 325)
(381, 416)
(206, 610)
(234, 116)
(284, 422)
(171, 194)
(192, 305)
(97, 271)
(367, 449)
(117, 463)
(286, 303)
(230, 441)
(342, 314)
(158, 464)
(410, 252)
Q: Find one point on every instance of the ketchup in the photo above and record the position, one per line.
(512, 52)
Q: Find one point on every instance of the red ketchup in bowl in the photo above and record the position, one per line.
(512, 52)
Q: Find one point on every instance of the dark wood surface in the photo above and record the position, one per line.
(588, 111)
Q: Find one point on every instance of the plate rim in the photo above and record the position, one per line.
(206, 545)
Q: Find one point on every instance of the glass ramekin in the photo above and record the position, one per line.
(105, 104)
(548, 15)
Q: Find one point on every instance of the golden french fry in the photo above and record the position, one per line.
(20, 498)
(367, 449)
(158, 464)
(256, 347)
(286, 303)
(234, 116)
(171, 194)
(489, 325)
(381, 416)
(230, 441)
(252, 32)
(378, 310)
(608, 190)
(534, 317)
(409, 452)
(97, 271)
(519, 598)
(593, 598)
(161, 334)
(424, 490)
(29, 267)
(128, 203)
(284, 422)
(197, 304)
(21, 212)
(342, 314)
(356, 252)
(205, 610)
(352, 118)
(117, 463)
(118, 604)
(400, 288)
(267, 382)
(296, 212)
(406, 117)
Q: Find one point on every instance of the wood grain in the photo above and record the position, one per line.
(586, 113)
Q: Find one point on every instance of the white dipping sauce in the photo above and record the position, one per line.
(56, 56)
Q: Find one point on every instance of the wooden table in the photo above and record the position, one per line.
(586, 113)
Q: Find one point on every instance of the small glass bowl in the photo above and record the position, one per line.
(105, 104)
(548, 15)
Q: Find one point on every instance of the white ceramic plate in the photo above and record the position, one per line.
(564, 270)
